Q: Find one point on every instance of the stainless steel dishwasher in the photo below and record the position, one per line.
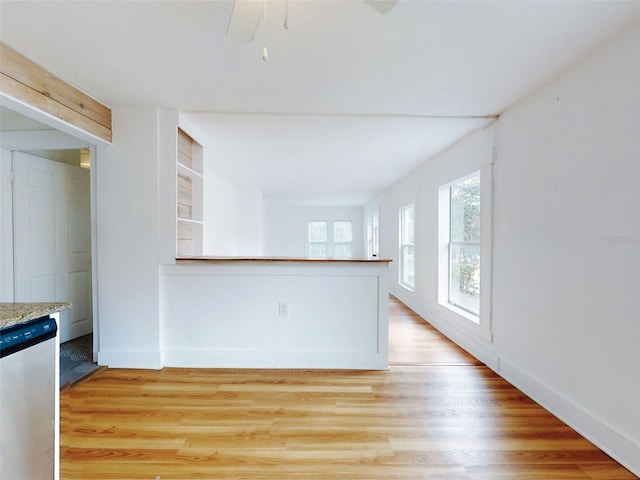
(28, 400)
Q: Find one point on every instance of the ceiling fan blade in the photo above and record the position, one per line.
(244, 19)
(382, 6)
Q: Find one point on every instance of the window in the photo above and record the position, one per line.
(464, 244)
(407, 258)
(342, 236)
(464, 252)
(372, 234)
(318, 239)
(330, 239)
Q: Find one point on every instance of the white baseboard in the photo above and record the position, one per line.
(151, 360)
(604, 436)
(275, 359)
(598, 432)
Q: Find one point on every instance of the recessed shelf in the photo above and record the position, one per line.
(189, 196)
(189, 170)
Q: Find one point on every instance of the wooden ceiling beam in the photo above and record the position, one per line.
(27, 82)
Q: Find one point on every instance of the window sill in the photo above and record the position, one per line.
(463, 313)
(407, 288)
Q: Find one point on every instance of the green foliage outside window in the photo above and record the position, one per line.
(465, 244)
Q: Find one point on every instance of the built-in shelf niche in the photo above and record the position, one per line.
(189, 196)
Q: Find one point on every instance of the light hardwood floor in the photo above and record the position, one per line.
(436, 414)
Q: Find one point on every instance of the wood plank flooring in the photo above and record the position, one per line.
(444, 416)
(412, 341)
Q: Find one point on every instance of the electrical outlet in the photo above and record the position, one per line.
(283, 309)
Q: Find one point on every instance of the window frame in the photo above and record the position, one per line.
(478, 325)
(336, 242)
(461, 243)
(330, 242)
(375, 251)
(373, 234)
(311, 243)
(404, 245)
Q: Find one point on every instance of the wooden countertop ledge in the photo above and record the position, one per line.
(259, 259)
(15, 313)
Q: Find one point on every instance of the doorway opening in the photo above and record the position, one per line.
(46, 225)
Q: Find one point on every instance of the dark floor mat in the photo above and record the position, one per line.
(78, 349)
(76, 360)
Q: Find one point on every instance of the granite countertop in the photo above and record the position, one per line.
(15, 313)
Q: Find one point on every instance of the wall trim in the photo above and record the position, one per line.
(614, 443)
(275, 359)
(150, 359)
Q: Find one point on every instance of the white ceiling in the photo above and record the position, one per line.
(349, 101)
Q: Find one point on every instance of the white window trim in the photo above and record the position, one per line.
(411, 288)
(308, 242)
(373, 234)
(479, 325)
(334, 242)
(375, 250)
(330, 243)
(370, 235)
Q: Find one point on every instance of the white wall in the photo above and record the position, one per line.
(421, 187)
(228, 314)
(566, 245)
(220, 235)
(136, 232)
(129, 245)
(6, 232)
(249, 222)
(232, 214)
(285, 227)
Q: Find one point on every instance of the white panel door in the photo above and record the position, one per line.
(79, 251)
(52, 251)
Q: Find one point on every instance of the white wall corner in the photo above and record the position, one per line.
(167, 153)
